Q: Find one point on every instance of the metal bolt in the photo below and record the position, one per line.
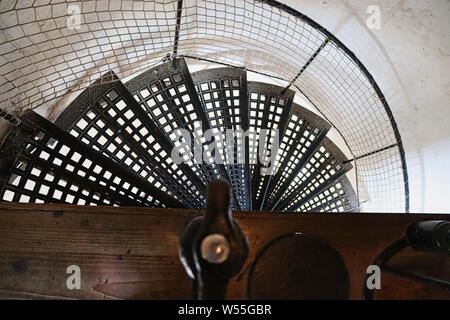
(215, 248)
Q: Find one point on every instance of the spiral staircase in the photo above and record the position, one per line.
(93, 111)
(112, 146)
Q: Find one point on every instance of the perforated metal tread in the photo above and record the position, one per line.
(42, 163)
(224, 96)
(269, 108)
(302, 137)
(325, 167)
(107, 118)
(168, 95)
(339, 197)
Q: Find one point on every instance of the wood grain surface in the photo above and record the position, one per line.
(132, 253)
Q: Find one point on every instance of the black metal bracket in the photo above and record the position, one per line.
(425, 236)
(213, 248)
(371, 153)
(311, 59)
(177, 29)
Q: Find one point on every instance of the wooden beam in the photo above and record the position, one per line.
(132, 253)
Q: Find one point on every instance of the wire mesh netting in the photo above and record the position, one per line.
(50, 51)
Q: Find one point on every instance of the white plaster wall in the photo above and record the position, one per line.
(409, 57)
